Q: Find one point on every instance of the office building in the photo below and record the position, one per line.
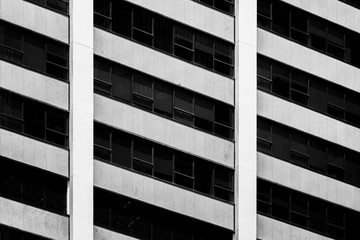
(182, 119)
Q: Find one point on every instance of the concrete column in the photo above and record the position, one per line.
(81, 120)
(245, 109)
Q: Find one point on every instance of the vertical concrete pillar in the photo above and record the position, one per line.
(245, 100)
(81, 120)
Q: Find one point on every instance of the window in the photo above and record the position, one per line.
(145, 157)
(226, 6)
(34, 119)
(299, 148)
(144, 221)
(306, 211)
(152, 94)
(33, 51)
(58, 5)
(309, 91)
(307, 151)
(32, 186)
(309, 30)
(155, 31)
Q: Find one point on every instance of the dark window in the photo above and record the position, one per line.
(281, 142)
(164, 34)
(335, 162)
(121, 149)
(335, 222)
(102, 142)
(8, 233)
(183, 172)
(264, 74)
(223, 183)
(317, 216)
(352, 168)
(152, 94)
(280, 203)
(299, 148)
(163, 163)
(299, 213)
(143, 26)
(281, 81)
(299, 88)
(226, 6)
(32, 186)
(34, 51)
(309, 30)
(11, 109)
(142, 91)
(335, 102)
(57, 127)
(184, 106)
(203, 177)
(144, 221)
(317, 98)
(58, 5)
(142, 156)
(163, 99)
(204, 113)
(264, 136)
(352, 108)
(317, 158)
(264, 197)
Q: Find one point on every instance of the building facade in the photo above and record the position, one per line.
(182, 119)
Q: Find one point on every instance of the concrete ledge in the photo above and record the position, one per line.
(33, 220)
(306, 181)
(306, 120)
(164, 195)
(34, 85)
(36, 18)
(35, 153)
(163, 66)
(164, 131)
(308, 60)
(271, 229)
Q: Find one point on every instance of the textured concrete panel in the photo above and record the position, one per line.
(271, 229)
(104, 234)
(163, 66)
(306, 120)
(34, 85)
(308, 60)
(309, 182)
(35, 153)
(33, 220)
(152, 191)
(35, 18)
(332, 10)
(162, 130)
(195, 15)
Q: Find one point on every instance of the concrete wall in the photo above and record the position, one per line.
(304, 119)
(269, 228)
(164, 195)
(245, 89)
(164, 131)
(332, 10)
(35, 153)
(36, 18)
(33, 220)
(34, 85)
(306, 181)
(193, 14)
(309, 60)
(163, 66)
(81, 120)
(104, 234)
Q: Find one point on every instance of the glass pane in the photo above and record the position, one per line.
(34, 52)
(299, 142)
(163, 98)
(203, 50)
(299, 203)
(203, 176)
(143, 20)
(224, 177)
(163, 163)
(336, 156)
(183, 37)
(143, 150)
(298, 21)
(281, 18)
(204, 108)
(317, 95)
(121, 83)
(102, 135)
(281, 142)
(184, 100)
(336, 96)
(336, 36)
(264, 129)
(122, 18)
(102, 7)
(34, 119)
(263, 67)
(57, 121)
(280, 203)
(58, 5)
(224, 114)
(352, 108)
(11, 105)
(57, 53)
(352, 168)
(121, 149)
(184, 164)
(143, 85)
(281, 81)
(102, 69)
(12, 37)
(224, 52)
(317, 32)
(317, 159)
(163, 34)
